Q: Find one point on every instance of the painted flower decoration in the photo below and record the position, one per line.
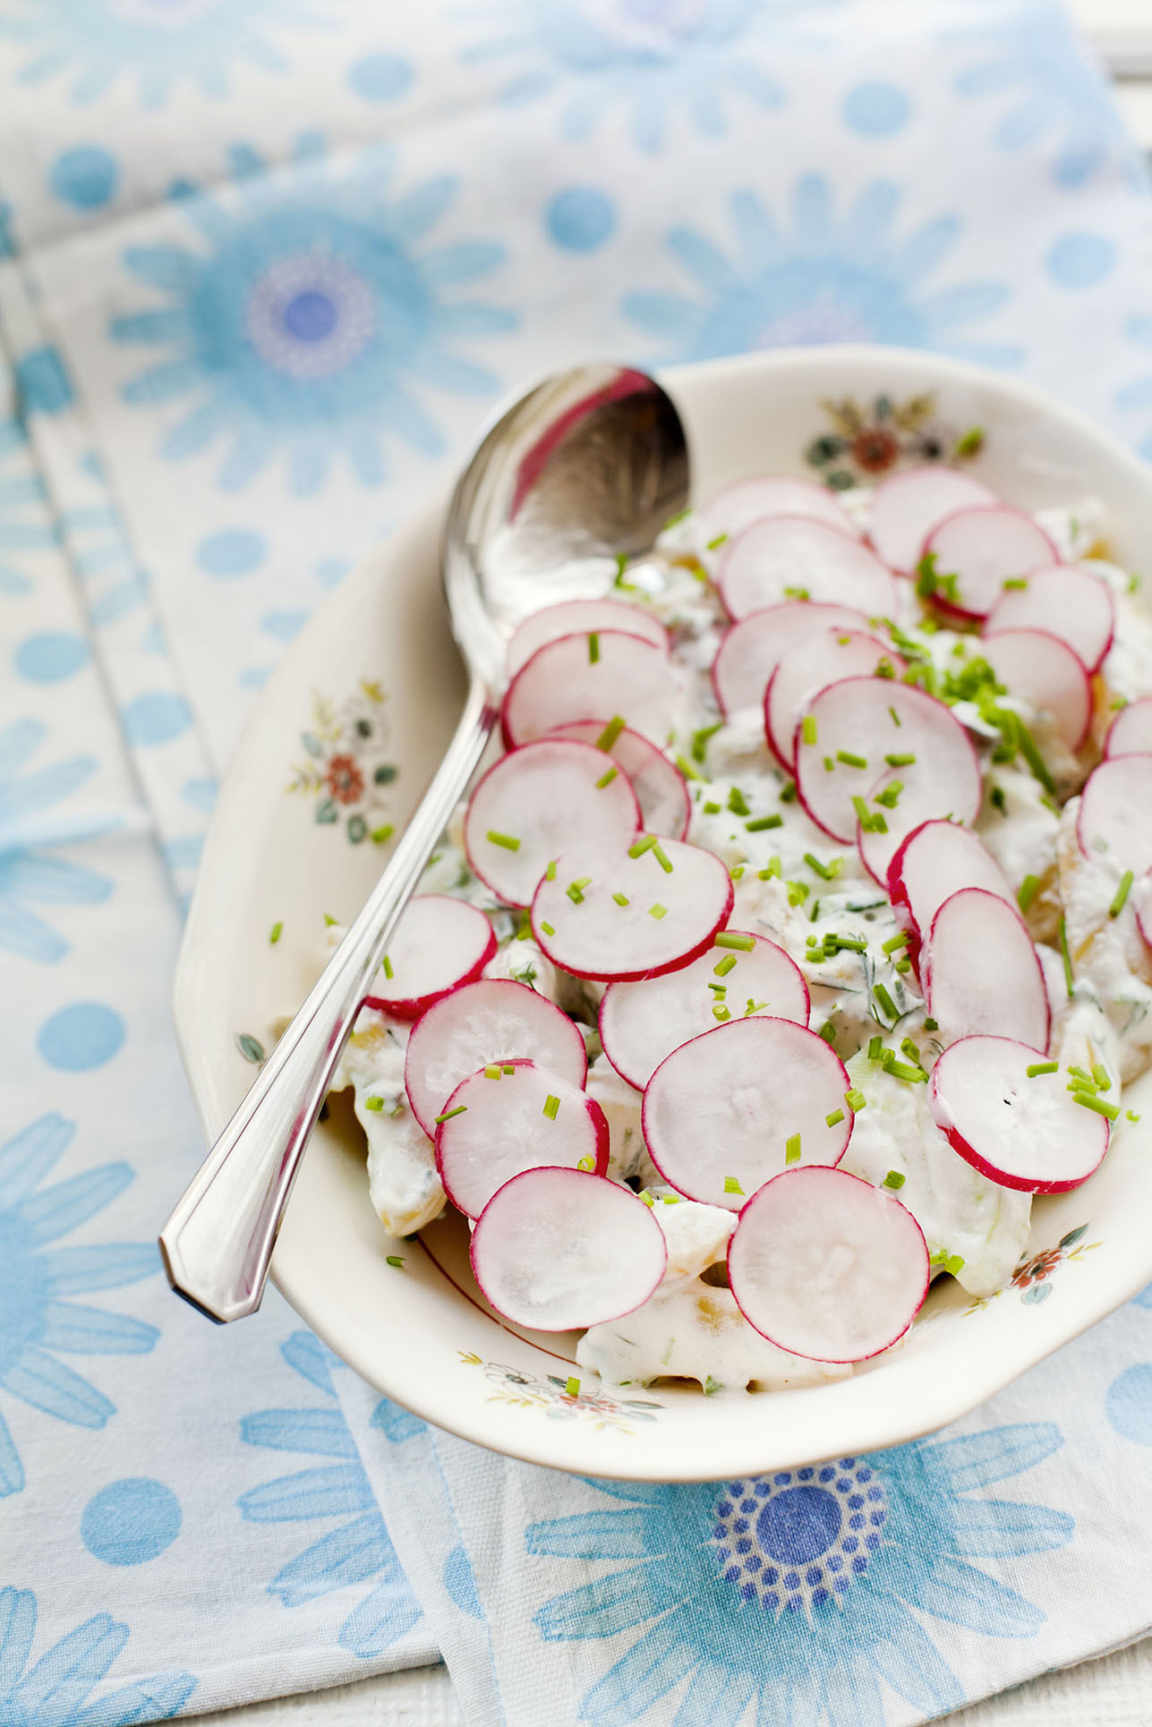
(29, 874)
(344, 779)
(654, 62)
(96, 43)
(24, 522)
(819, 277)
(56, 1689)
(38, 1321)
(865, 439)
(804, 1590)
(307, 320)
(359, 1549)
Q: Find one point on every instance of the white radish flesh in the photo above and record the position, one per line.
(439, 944)
(984, 547)
(1130, 733)
(499, 1123)
(576, 617)
(641, 1023)
(661, 789)
(615, 915)
(870, 720)
(721, 1111)
(748, 501)
(752, 649)
(795, 558)
(560, 1250)
(1039, 668)
(811, 666)
(908, 505)
(1024, 1132)
(1066, 599)
(491, 1021)
(828, 1266)
(920, 796)
(538, 801)
(981, 972)
(591, 676)
(933, 862)
(1114, 825)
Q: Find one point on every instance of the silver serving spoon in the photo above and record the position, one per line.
(588, 465)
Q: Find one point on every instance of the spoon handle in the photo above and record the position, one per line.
(217, 1245)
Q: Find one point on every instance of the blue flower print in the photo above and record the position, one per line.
(653, 60)
(1136, 396)
(55, 1689)
(1048, 94)
(24, 522)
(309, 318)
(359, 1549)
(824, 278)
(94, 43)
(29, 874)
(804, 1589)
(38, 1323)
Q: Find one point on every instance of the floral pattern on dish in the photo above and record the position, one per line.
(867, 439)
(347, 768)
(1031, 1276)
(561, 1399)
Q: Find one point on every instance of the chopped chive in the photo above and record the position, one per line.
(931, 1025)
(657, 911)
(762, 824)
(1027, 891)
(508, 841)
(670, 1198)
(771, 869)
(752, 1006)
(461, 1109)
(375, 1104)
(1121, 894)
(1069, 980)
(687, 769)
(275, 933)
(587, 1164)
(551, 1106)
(815, 911)
(731, 1185)
(829, 765)
(890, 796)
(714, 544)
(911, 1050)
(642, 845)
(738, 803)
(827, 1032)
(572, 1387)
(606, 778)
(1082, 1075)
(721, 1013)
(896, 942)
(673, 521)
(1097, 1104)
(826, 871)
(901, 759)
(894, 1180)
(732, 938)
(1131, 1115)
(855, 1100)
(493, 1072)
(712, 809)
(903, 1070)
(621, 899)
(610, 733)
(386, 967)
(875, 1048)
(954, 1264)
(808, 728)
(797, 891)
(645, 1197)
(593, 646)
(662, 858)
(850, 760)
(711, 1386)
(788, 792)
(835, 1118)
(896, 720)
(547, 928)
(721, 989)
(395, 1259)
(575, 893)
(794, 593)
(700, 741)
(887, 1005)
(792, 1148)
(1036, 1068)
(724, 966)
(550, 872)
(1015, 584)
(1102, 1077)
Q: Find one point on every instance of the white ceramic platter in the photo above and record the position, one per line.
(343, 740)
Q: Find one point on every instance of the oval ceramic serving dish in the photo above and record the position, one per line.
(343, 740)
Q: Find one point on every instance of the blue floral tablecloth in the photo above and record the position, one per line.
(263, 266)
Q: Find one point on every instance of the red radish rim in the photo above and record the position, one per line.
(1014, 910)
(412, 1007)
(633, 736)
(1107, 753)
(951, 607)
(726, 555)
(901, 475)
(624, 608)
(899, 664)
(1050, 635)
(760, 612)
(1076, 569)
(1105, 766)
(511, 743)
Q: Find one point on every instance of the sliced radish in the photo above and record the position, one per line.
(1066, 599)
(748, 501)
(634, 913)
(752, 649)
(810, 666)
(576, 617)
(641, 1023)
(1130, 733)
(559, 1250)
(593, 676)
(721, 1111)
(439, 943)
(908, 505)
(983, 547)
(796, 558)
(1023, 1132)
(538, 801)
(660, 787)
(1039, 668)
(499, 1123)
(869, 720)
(1115, 819)
(825, 1265)
(493, 1020)
(981, 972)
(933, 862)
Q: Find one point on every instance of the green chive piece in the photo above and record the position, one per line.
(621, 899)
(550, 872)
(792, 1148)
(887, 1005)
(508, 841)
(1027, 891)
(835, 1118)
(711, 1386)
(375, 1104)
(1082, 1075)
(896, 942)
(575, 893)
(551, 1107)
(954, 1264)
(721, 1013)
(896, 720)
(732, 938)
(662, 858)
(395, 1260)
(610, 733)
(797, 891)
(645, 1197)
(680, 516)
(493, 1072)
(1102, 1077)
(720, 989)
(461, 1109)
(642, 845)
(762, 824)
(931, 1025)
(808, 729)
(572, 1387)
(606, 778)
(657, 911)
(700, 741)
(850, 760)
(593, 646)
(894, 1180)
(275, 933)
(826, 871)
(1015, 584)
(588, 1165)
(771, 869)
(1069, 980)
(1121, 894)
(903, 1070)
(875, 1048)
(386, 967)
(714, 544)
(738, 803)
(547, 928)
(752, 1006)
(670, 1198)
(788, 792)
(1131, 1115)
(911, 1050)
(890, 796)
(855, 1100)
(724, 966)
(901, 759)
(712, 809)
(731, 1185)
(829, 765)
(687, 769)
(1036, 1068)
(1097, 1104)
(794, 593)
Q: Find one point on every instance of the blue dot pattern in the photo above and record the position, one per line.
(876, 110)
(86, 177)
(1130, 1404)
(381, 77)
(130, 1522)
(156, 717)
(231, 552)
(80, 1037)
(50, 656)
(580, 218)
(1081, 260)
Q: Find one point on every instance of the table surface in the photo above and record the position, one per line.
(1113, 1691)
